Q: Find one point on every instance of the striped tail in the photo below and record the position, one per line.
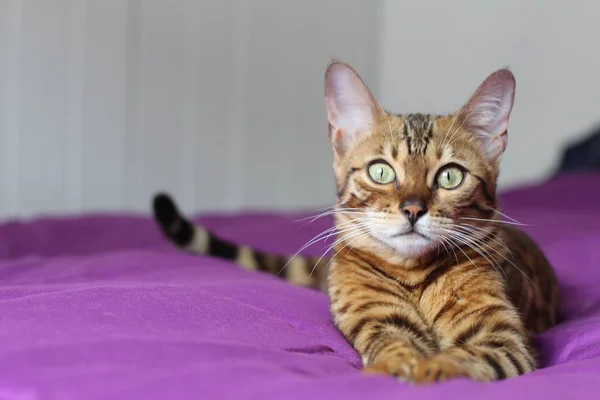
(196, 239)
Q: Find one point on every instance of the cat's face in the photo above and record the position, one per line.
(415, 183)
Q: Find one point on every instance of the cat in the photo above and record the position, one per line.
(426, 281)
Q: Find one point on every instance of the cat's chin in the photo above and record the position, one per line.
(412, 245)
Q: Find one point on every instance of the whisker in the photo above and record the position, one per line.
(312, 241)
(462, 251)
(349, 211)
(451, 138)
(324, 235)
(343, 230)
(443, 144)
(352, 223)
(505, 216)
(447, 241)
(361, 232)
(391, 133)
(494, 221)
(343, 203)
(356, 236)
(507, 260)
(466, 240)
(482, 244)
(493, 236)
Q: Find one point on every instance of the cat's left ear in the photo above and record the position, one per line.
(487, 112)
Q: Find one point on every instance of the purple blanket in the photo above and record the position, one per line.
(101, 307)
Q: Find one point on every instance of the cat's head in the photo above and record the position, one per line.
(414, 183)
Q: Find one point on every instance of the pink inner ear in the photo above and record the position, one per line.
(490, 106)
(351, 107)
(487, 113)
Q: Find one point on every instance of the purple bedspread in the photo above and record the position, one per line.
(100, 307)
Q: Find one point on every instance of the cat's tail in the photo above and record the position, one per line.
(194, 238)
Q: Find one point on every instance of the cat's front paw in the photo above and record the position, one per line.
(399, 367)
(437, 368)
(445, 366)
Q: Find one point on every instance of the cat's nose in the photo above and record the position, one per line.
(413, 210)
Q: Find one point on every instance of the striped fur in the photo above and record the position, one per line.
(452, 291)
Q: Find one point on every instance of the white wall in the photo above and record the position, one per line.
(434, 54)
(217, 101)
(221, 101)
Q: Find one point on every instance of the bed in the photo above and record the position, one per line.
(101, 307)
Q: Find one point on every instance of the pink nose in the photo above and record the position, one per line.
(413, 210)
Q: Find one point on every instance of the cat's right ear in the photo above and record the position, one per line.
(352, 110)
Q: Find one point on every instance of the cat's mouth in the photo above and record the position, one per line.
(410, 232)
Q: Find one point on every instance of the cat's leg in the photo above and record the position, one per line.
(383, 325)
(482, 336)
(395, 355)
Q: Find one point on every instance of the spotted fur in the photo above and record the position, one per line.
(457, 292)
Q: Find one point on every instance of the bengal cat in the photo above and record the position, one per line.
(426, 281)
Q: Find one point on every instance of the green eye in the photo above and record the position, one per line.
(449, 178)
(382, 173)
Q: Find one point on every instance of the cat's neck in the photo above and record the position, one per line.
(407, 269)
